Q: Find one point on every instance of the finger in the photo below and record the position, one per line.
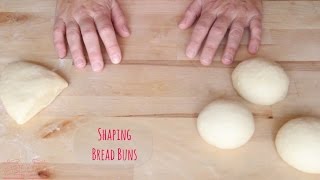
(59, 38)
(234, 38)
(199, 33)
(108, 36)
(119, 20)
(215, 37)
(190, 15)
(255, 35)
(91, 42)
(75, 44)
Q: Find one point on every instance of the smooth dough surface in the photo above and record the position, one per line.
(298, 144)
(225, 124)
(260, 81)
(26, 89)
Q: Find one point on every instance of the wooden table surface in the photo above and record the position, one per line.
(157, 92)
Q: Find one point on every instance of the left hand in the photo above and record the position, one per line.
(88, 21)
(216, 16)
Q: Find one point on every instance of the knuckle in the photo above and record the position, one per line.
(232, 8)
(257, 38)
(58, 21)
(71, 24)
(189, 12)
(89, 32)
(81, 11)
(120, 23)
(257, 31)
(202, 27)
(224, 17)
(71, 37)
(256, 19)
(120, 19)
(93, 52)
(207, 16)
(112, 46)
(231, 49)
(236, 32)
(98, 8)
(73, 32)
(58, 30)
(78, 57)
(76, 52)
(94, 56)
(256, 24)
(218, 30)
(59, 44)
(210, 47)
(195, 42)
(257, 14)
(100, 12)
(106, 29)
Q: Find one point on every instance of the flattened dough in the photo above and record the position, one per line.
(26, 89)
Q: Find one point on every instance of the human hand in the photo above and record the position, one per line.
(216, 16)
(78, 21)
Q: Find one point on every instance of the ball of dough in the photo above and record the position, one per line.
(260, 81)
(225, 124)
(298, 144)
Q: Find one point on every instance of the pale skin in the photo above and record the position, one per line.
(85, 21)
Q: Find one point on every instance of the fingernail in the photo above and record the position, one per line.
(80, 64)
(182, 24)
(191, 53)
(61, 54)
(115, 59)
(253, 49)
(205, 61)
(126, 30)
(227, 59)
(97, 67)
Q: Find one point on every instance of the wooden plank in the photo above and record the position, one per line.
(159, 90)
(46, 6)
(277, 44)
(147, 90)
(291, 31)
(179, 152)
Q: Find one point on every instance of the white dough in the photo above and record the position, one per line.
(260, 81)
(225, 124)
(26, 89)
(298, 144)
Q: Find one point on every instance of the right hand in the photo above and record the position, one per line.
(215, 18)
(84, 21)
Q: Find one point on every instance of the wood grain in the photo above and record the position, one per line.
(291, 30)
(158, 89)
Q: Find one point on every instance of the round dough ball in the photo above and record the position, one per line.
(298, 144)
(225, 124)
(260, 81)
